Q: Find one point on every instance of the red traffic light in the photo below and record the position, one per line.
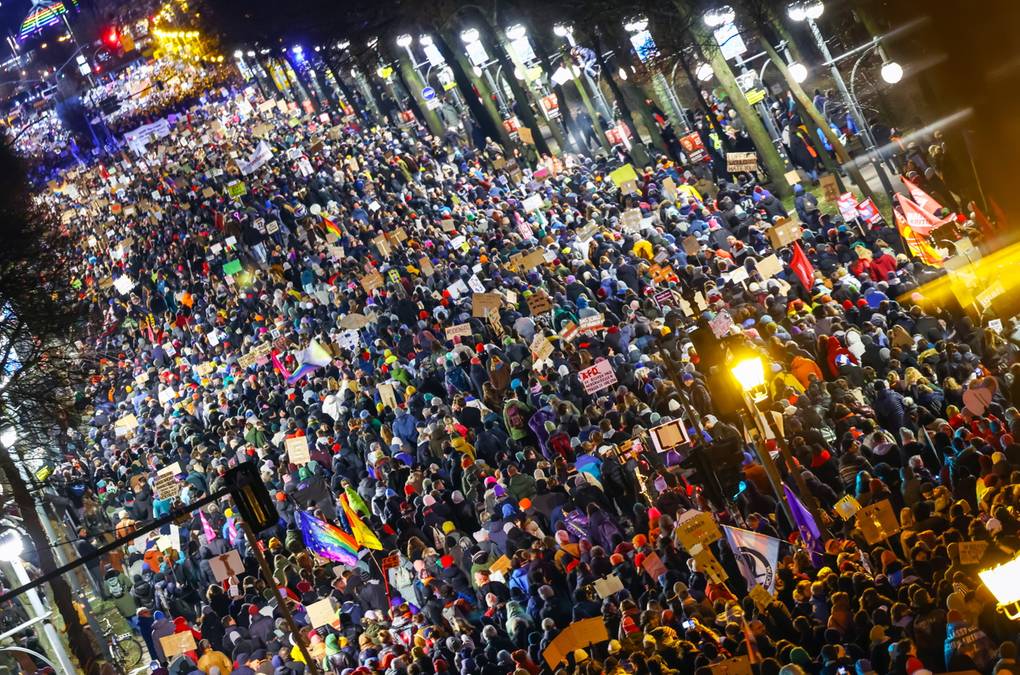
(111, 37)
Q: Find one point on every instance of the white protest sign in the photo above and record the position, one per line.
(227, 565)
(597, 377)
(297, 450)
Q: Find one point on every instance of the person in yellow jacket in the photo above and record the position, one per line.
(210, 658)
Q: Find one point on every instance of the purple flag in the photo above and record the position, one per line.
(809, 530)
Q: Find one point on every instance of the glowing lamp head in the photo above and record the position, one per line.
(892, 72)
(11, 545)
(404, 40)
(749, 372)
(516, 31)
(798, 72)
(470, 35)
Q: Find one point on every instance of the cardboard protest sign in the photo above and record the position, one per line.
(227, 565)
(783, 233)
(738, 665)
(578, 635)
(761, 597)
(830, 189)
(501, 565)
(484, 303)
(769, 266)
(496, 324)
(386, 395)
(877, 522)
(297, 450)
(541, 348)
(669, 188)
(697, 528)
(623, 174)
(721, 324)
(425, 265)
(669, 435)
(631, 219)
(793, 177)
(532, 202)
(178, 643)
(971, 552)
(741, 162)
(167, 486)
(354, 321)
(608, 586)
(705, 561)
(653, 565)
(847, 507)
(372, 281)
(460, 330)
(597, 377)
(321, 613)
(539, 303)
(691, 245)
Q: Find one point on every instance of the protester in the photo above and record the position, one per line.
(392, 328)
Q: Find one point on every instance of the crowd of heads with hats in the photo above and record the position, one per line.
(448, 365)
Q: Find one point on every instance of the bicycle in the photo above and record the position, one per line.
(124, 648)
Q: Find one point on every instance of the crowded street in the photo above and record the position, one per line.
(369, 388)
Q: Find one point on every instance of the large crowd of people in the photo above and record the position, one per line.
(471, 360)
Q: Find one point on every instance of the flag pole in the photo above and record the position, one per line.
(253, 541)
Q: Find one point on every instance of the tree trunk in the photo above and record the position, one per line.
(543, 50)
(412, 82)
(81, 644)
(487, 120)
(495, 38)
(713, 121)
(842, 156)
(625, 115)
(772, 163)
(345, 91)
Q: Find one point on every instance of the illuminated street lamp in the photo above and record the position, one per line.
(798, 72)
(469, 35)
(562, 30)
(806, 9)
(404, 40)
(238, 54)
(517, 32)
(704, 72)
(892, 72)
(1004, 583)
(720, 16)
(750, 373)
(425, 40)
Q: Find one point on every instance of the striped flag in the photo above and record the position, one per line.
(363, 534)
(331, 226)
(326, 540)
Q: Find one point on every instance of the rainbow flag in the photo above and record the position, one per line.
(363, 534)
(310, 359)
(331, 226)
(326, 540)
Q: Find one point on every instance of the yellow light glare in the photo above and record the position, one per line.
(750, 373)
(1003, 581)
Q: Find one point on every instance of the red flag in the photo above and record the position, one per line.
(922, 198)
(802, 267)
(921, 222)
(919, 246)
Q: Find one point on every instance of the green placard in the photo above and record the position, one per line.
(237, 189)
(232, 267)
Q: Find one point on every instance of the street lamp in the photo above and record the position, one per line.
(562, 30)
(517, 32)
(425, 40)
(622, 74)
(719, 16)
(1004, 583)
(636, 26)
(806, 9)
(798, 72)
(238, 54)
(892, 72)
(404, 40)
(11, 545)
(469, 35)
(704, 72)
(750, 373)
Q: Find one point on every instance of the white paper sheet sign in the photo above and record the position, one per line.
(597, 377)
(227, 565)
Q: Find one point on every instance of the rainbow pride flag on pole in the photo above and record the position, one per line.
(331, 226)
(326, 540)
(311, 358)
(363, 534)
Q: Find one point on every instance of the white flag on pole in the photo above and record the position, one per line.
(757, 555)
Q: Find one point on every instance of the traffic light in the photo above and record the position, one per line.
(111, 37)
(252, 499)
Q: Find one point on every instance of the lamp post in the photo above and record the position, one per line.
(808, 11)
(1004, 583)
(11, 547)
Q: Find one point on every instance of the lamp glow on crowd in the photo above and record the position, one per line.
(804, 11)
(1004, 583)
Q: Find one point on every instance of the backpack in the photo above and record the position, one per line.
(113, 584)
(515, 416)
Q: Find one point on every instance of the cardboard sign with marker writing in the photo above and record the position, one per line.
(539, 303)
(971, 552)
(877, 522)
(697, 528)
(784, 233)
(321, 613)
(484, 303)
(460, 330)
(761, 597)
(578, 635)
(386, 395)
(769, 266)
(691, 245)
(178, 643)
(297, 450)
(608, 586)
(830, 189)
(653, 565)
(541, 348)
(847, 507)
(425, 265)
(227, 565)
(372, 281)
